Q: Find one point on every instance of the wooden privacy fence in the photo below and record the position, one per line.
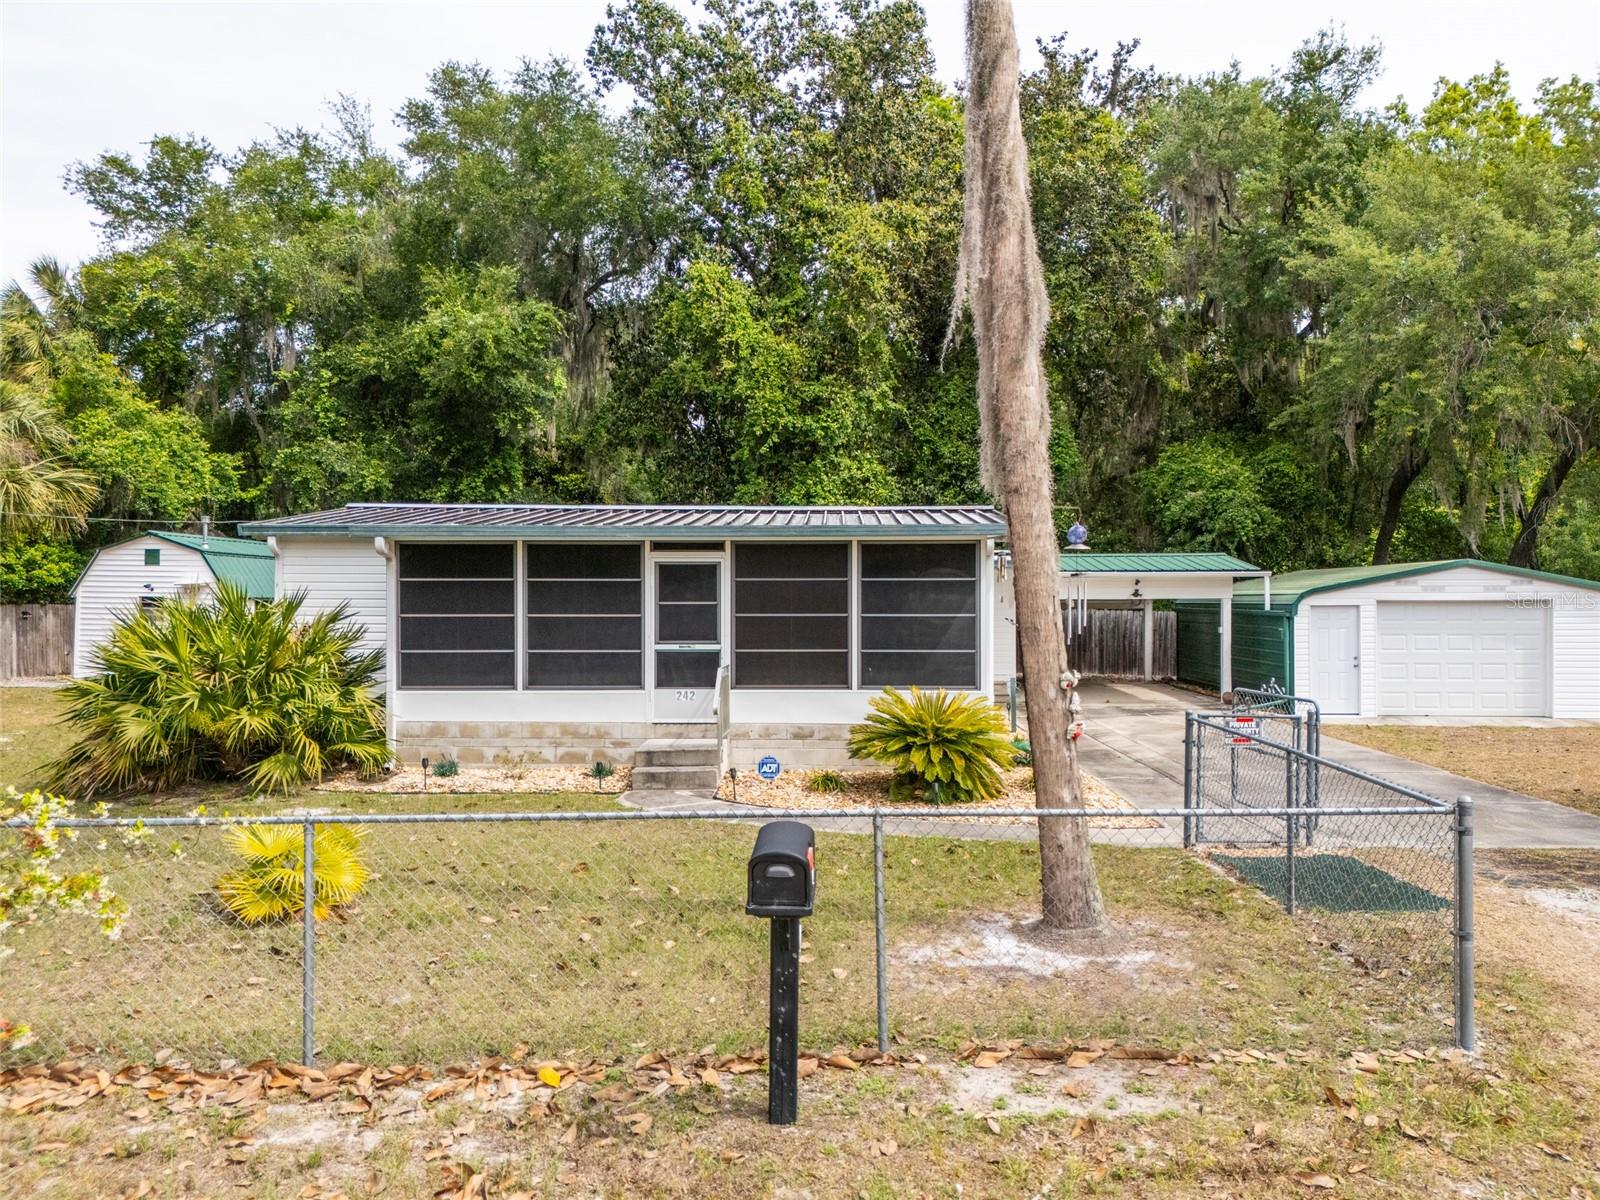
(1113, 644)
(35, 640)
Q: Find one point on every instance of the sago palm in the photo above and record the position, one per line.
(270, 885)
(953, 744)
(224, 688)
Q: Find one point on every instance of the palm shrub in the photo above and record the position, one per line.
(270, 885)
(224, 688)
(952, 746)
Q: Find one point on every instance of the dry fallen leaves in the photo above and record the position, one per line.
(1315, 1179)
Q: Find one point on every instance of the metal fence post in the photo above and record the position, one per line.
(1199, 780)
(882, 933)
(1466, 1021)
(1188, 778)
(308, 951)
(1289, 823)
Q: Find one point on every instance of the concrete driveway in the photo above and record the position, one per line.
(1133, 741)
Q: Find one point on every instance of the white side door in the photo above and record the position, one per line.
(1336, 657)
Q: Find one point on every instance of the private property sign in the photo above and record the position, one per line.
(1244, 729)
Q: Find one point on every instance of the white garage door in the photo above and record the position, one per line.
(1463, 659)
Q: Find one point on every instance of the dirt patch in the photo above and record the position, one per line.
(1542, 868)
(1010, 945)
(1552, 764)
(857, 789)
(1550, 933)
(1104, 1089)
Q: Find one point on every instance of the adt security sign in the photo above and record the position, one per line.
(768, 768)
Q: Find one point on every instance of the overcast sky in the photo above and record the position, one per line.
(82, 78)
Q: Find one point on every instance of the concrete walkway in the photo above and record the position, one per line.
(1133, 740)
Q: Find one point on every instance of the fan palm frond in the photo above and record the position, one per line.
(224, 688)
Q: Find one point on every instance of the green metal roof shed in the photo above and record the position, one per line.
(240, 561)
(143, 569)
(1454, 638)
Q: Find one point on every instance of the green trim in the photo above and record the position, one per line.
(1093, 562)
(1290, 589)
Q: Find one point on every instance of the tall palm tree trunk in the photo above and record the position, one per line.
(1001, 277)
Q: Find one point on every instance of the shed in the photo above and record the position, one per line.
(576, 632)
(155, 565)
(1455, 638)
(1096, 580)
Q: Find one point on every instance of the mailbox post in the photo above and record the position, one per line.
(783, 888)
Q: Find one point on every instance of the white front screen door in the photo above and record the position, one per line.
(1336, 657)
(688, 639)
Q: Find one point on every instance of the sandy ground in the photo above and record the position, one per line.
(1552, 764)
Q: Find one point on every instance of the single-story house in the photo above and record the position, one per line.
(576, 632)
(1458, 638)
(1092, 580)
(155, 565)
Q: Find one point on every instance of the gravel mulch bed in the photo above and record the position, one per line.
(530, 779)
(866, 788)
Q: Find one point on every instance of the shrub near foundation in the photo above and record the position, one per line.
(947, 747)
(224, 688)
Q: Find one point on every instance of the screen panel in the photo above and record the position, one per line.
(791, 615)
(457, 625)
(919, 614)
(585, 616)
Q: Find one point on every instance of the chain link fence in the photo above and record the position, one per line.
(608, 933)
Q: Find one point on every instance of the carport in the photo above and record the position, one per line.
(1092, 578)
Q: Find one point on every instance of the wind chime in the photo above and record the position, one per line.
(1075, 619)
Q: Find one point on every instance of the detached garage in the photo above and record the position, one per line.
(1461, 638)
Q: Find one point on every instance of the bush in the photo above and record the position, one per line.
(1024, 749)
(830, 782)
(446, 768)
(224, 689)
(602, 770)
(38, 572)
(270, 886)
(950, 746)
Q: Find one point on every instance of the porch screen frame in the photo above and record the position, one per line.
(447, 596)
(583, 563)
(943, 599)
(814, 609)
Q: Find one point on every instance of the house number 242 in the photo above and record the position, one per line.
(684, 695)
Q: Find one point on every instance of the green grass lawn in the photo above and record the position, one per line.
(566, 940)
(31, 734)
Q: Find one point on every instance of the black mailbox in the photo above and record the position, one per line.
(783, 871)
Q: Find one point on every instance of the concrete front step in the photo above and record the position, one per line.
(688, 778)
(676, 752)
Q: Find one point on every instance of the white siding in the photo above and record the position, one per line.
(114, 582)
(1574, 645)
(1005, 630)
(334, 571)
(1575, 672)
